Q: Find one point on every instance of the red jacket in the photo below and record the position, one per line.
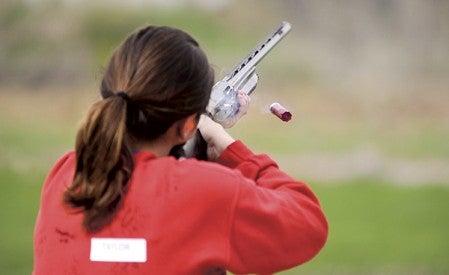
(241, 214)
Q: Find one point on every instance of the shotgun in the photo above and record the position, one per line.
(223, 104)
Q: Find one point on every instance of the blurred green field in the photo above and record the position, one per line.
(376, 227)
(380, 228)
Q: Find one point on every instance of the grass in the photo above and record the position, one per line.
(306, 134)
(374, 227)
(380, 227)
(19, 204)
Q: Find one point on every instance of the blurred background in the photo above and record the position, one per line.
(366, 82)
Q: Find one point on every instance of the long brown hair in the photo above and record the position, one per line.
(158, 76)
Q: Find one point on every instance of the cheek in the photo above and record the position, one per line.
(191, 133)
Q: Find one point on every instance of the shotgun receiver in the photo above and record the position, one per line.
(223, 104)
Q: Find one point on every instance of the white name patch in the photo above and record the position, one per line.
(127, 250)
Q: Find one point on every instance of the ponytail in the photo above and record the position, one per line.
(103, 162)
(167, 77)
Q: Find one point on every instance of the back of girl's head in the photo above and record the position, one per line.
(158, 76)
(165, 74)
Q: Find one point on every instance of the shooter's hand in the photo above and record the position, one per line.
(215, 135)
(244, 101)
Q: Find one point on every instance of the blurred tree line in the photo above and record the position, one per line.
(61, 41)
(382, 37)
(66, 42)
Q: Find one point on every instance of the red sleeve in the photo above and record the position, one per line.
(277, 221)
(59, 177)
(55, 172)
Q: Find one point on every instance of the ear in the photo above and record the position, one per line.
(188, 127)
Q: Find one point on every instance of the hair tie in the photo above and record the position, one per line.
(123, 95)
